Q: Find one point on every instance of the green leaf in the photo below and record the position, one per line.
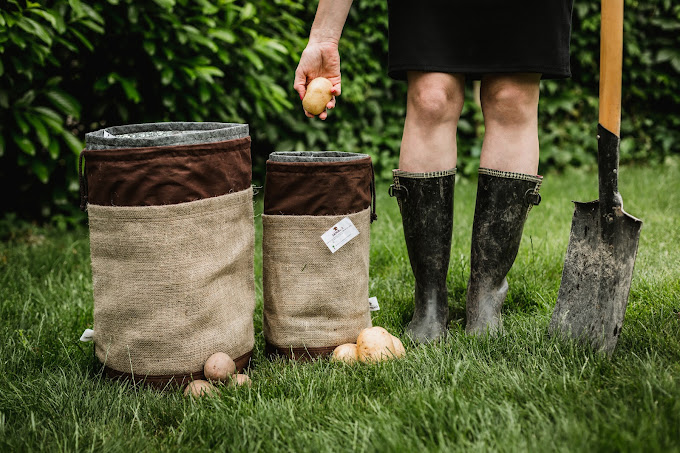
(253, 58)
(77, 8)
(277, 46)
(34, 28)
(48, 113)
(149, 47)
(24, 128)
(45, 15)
(166, 75)
(223, 35)
(200, 39)
(41, 171)
(248, 11)
(40, 130)
(73, 143)
(82, 39)
(93, 26)
(54, 149)
(666, 55)
(166, 4)
(66, 103)
(24, 144)
(129, 88)
(207, 73)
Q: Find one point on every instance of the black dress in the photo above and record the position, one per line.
(476, 37)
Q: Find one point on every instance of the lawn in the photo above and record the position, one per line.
(522, 391)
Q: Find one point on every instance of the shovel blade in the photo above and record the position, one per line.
(598, 269)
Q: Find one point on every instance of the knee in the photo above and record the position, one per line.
(510, 102)
(435, 100)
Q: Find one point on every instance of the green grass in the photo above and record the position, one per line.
(523, 391)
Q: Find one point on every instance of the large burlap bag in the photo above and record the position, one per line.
(315, 300)
(172, 242)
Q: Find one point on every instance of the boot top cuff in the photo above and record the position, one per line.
(511, 175)
(429, 174)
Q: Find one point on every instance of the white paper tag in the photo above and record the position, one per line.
(373, 304)
(107, 135)
(88, 335)
(340, 234)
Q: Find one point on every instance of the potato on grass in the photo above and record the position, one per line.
(345, 353)
(240, 379)
(399, 350)
(375, 344)
(219, 367)
(318, 95)
(199, 388)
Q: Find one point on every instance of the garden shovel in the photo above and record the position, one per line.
(598, 267)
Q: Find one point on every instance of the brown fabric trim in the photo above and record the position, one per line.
(318, 188)
(300, 354)
(164, 175)
(172, 380)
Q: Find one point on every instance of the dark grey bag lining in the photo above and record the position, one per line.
(315, 156)
(163, 134)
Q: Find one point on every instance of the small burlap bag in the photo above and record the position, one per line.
(315, 300)
(172, 248)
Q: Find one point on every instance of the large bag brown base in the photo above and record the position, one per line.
(173, 277)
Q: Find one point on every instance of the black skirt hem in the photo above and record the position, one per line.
(398, 72)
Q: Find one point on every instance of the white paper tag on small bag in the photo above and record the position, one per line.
(88, 335)
(340, 234)
(373, 304)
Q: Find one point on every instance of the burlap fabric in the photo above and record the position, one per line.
(314, 300)
(172, 284)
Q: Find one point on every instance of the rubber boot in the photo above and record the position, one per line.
(504, 200)
(426, 205)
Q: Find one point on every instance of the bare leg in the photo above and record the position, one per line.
(510, 107)
(506, 190)
(434, 104)
(424, 187)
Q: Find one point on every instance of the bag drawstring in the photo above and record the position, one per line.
(374, 216)
(83, 182)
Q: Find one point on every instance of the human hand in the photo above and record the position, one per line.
(319, 60)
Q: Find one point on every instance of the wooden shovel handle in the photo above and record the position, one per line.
(611, 60)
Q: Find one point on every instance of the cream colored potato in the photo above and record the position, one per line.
(240, 379)
(345, 353)
(219, 367)
(318, 95)
(200, 388)
(399, 350)
(375, 344)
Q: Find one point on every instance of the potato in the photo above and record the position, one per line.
(345, 353)
(219, 367)
(399, 350)
(375, 344)
(240, 379)
(200, 388)
(317, 96)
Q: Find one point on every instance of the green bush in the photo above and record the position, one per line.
(37, 116)
(75, 66)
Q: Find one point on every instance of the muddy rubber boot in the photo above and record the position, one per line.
(426, 205)
(503, 201)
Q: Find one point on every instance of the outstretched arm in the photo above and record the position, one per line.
(321, 58)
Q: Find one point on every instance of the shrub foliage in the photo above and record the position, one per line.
(68, 67)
